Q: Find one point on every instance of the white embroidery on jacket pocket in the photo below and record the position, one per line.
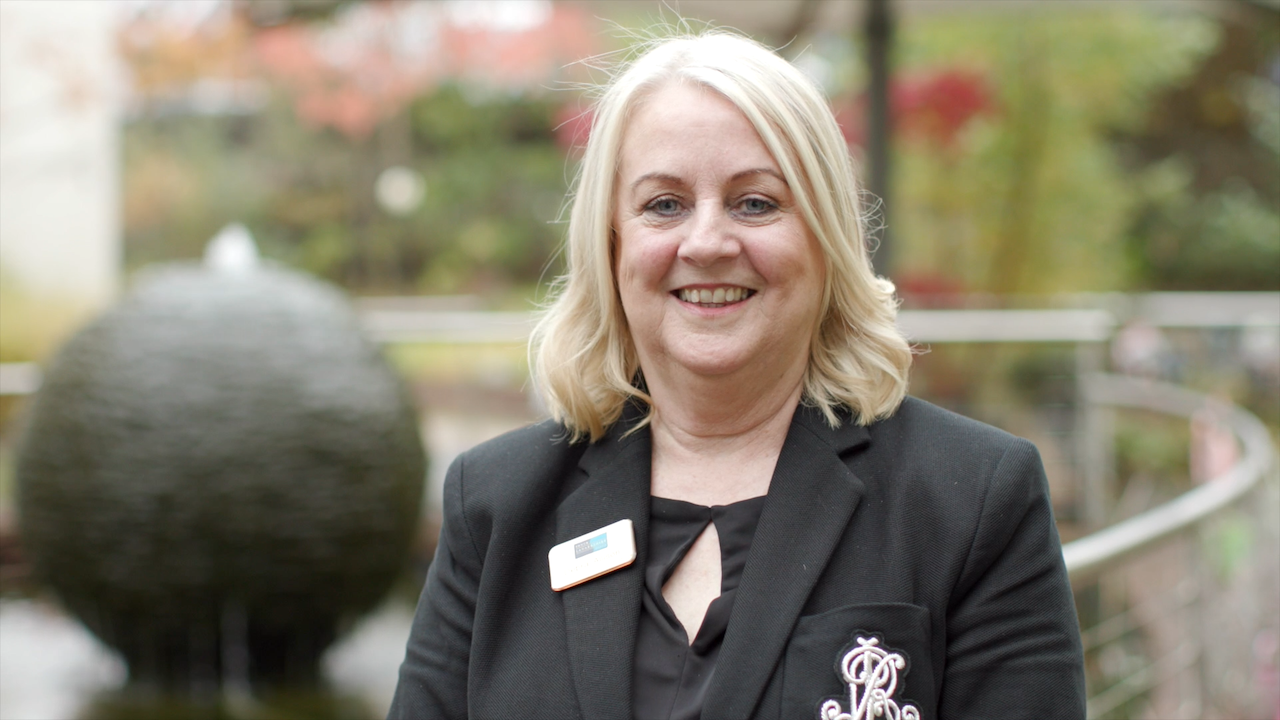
(871, 672)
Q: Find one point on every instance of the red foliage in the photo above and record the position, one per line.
(359, 71)
(851, 116)
(573, 127)
(934, 107)
(929, 290)
(348, 83)
(937, 106)
(520, 58)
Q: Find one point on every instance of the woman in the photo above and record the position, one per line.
(724, 372)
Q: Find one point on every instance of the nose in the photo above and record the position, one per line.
(710, 239)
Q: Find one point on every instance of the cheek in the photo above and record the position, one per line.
(794, 261)
(811, 261)
(815, 278)
(643, 261)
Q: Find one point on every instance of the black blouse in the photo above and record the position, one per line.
(672, 675)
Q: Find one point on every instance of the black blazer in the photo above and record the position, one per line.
(929, 532)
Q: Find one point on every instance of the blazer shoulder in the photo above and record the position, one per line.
(942, 429)
(951, 460)
(517, 467)
(536, 443)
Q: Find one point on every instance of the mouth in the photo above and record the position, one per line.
(714, 297)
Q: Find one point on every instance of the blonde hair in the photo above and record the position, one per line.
(583, 360)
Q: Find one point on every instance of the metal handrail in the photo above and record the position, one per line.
(1185, 594)
(1105, 548)
(20, 378)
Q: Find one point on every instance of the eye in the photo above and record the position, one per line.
(665, 206)
(755, 206)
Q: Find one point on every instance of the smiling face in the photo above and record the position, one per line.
(717, 271)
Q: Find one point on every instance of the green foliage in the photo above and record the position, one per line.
(278, 12)
(457, 117)
(6, 479)
(1153, 445)
(492, 364)
(1263, 101)
(1228, 239)
(1037, 195)
(33, 325)
(1035, 199)
(1044, 376)
(1228, 544)
(495, 182)
(1224, 237)
(186, 177)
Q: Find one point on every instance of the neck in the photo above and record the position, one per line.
(706, 417)
(714, 445)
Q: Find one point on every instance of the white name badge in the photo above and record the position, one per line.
(592, 555)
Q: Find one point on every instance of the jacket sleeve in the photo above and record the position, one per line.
(433, 677)
(1013, 640)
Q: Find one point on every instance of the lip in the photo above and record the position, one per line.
(712, 286)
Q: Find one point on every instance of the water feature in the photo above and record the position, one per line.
(219, 475)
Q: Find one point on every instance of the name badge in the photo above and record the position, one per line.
(589, 556)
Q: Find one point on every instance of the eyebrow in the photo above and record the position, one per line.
(758, 171)
(664, 177)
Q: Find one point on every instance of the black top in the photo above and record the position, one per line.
(671, 675)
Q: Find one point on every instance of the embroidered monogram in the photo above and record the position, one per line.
(871, 672)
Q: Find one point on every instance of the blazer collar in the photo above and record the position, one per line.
(811, 498)
(602, 615)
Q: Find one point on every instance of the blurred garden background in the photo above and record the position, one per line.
(1117, 158)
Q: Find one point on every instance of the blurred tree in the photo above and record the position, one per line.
(1011, 176)
(1008, 179)
(337, 99)
(498, 180)
(1208, 215)
(272, 13)
(1037, 151)
(495, 180)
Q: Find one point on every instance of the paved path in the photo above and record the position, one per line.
(50, 665)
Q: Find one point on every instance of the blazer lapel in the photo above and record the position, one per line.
(601, 615)
(811, 497)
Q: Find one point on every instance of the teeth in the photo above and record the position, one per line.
(717, 297)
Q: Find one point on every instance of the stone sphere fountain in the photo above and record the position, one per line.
(220, 474)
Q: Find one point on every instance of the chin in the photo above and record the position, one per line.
(713, 366)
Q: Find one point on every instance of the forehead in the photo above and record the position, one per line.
(684, 125)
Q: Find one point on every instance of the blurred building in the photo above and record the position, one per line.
(59, 151)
